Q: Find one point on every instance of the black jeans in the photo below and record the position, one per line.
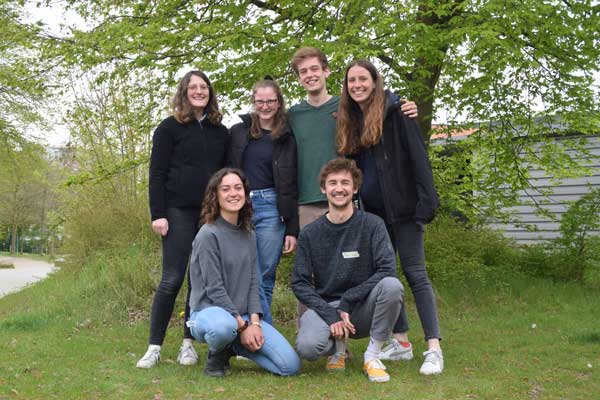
(407, 239)
(176, 249)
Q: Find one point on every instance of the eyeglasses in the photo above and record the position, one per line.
(260, 103)
(194, 88)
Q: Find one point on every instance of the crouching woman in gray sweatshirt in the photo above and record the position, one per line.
(224, 300)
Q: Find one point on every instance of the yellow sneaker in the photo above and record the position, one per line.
(336, 362)
(375, 371)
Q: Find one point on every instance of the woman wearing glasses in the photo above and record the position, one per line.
(187, 148)
(263, 146)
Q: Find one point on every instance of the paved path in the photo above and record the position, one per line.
(26, 271)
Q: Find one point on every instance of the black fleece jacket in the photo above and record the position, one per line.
(403, 169)
(285, 170)
(184, 157)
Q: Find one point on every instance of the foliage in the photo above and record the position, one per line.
(26, 194)
(575, 254)
(476, 61)
(23, 75)
(458, 253)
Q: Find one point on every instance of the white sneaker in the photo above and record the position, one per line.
(434, 362)
(395, 351)
(151, 358)
(187, 356)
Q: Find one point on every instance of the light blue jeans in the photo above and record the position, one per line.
(270, 233)
(218, 328)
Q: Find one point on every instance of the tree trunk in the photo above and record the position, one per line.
(13, 239)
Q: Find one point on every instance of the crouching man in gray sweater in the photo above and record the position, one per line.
(345, 273)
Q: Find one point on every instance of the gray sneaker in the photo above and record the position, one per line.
(434, 362)
(395, 351)
(187, 356)
(150, 359)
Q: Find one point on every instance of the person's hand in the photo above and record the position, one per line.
(252, 338)
(160, 226)
(409, 108)
(338, 329)
(346, 320)
(289, 244)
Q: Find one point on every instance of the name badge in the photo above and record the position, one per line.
(350, 254)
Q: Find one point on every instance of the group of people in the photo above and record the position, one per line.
(229, 202)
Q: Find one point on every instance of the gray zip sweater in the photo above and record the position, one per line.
(341, 262)
(223, 269)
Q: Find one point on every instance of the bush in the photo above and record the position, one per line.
(575, 254)
(458, 253)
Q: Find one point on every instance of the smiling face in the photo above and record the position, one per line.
(198, 93)
(312, 75)
(231, 194)
(360, 84)
(266, 105)
(339, 189)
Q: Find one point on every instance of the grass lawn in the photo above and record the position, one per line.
(515, 339)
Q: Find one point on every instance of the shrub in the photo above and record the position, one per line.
(458, 253)
(575, 254)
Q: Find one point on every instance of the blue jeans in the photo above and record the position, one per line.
(218, 328)
(270, 233)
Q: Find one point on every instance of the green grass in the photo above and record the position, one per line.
(515, 338)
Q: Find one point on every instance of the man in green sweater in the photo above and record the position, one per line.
(313, 122)
(345, 274)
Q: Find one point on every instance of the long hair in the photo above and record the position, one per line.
(280, 118)
(183, 110)
(349, 137)
(210, 206)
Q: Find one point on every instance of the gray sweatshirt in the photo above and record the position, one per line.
(223, 269)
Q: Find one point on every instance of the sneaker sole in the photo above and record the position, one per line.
(430, 372)
(379, 379)
(143, 366)
(187, 363)
(399, 357)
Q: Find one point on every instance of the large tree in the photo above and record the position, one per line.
(505, 61)
(23, 76)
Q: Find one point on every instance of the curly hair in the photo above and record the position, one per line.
(280, 118)
(349, 138)
(210, 206)
(341, 164)
(183, 110)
